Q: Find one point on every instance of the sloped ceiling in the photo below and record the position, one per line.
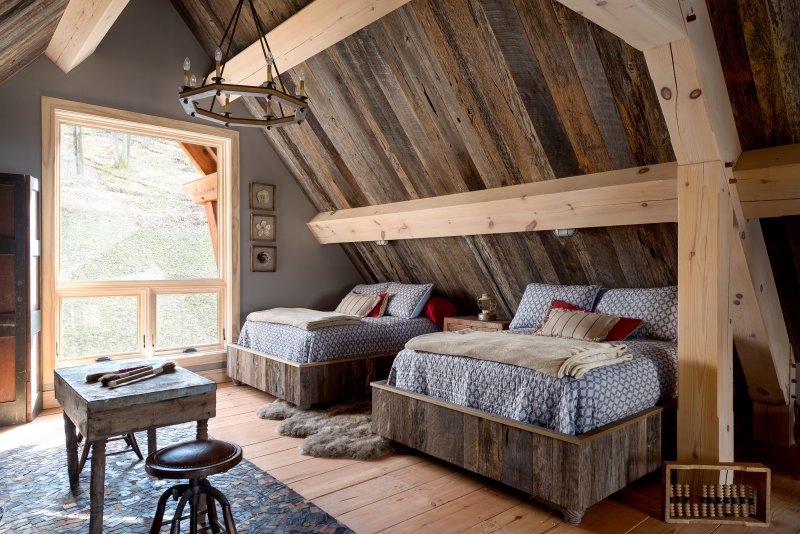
(444, 96)
(26, 27)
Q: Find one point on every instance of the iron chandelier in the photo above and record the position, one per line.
(192, 96)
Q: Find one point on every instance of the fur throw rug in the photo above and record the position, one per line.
(338, 431)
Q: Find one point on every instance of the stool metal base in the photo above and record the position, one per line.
(192, 493)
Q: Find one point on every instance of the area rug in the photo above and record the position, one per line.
(339, 431)
(34, 490)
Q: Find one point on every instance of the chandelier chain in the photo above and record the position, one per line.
(262, 39)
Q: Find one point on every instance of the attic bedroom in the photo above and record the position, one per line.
(430, 266)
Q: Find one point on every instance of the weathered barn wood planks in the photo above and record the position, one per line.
(304, 384)
(448, 96)
(570, 473)
(26, 27)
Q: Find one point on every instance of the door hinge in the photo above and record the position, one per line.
(223, 335)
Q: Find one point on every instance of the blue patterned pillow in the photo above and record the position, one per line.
(656, 306)
(371, 289)
(536, 302)
(407, 300)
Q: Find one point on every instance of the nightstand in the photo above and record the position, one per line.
(451, 324)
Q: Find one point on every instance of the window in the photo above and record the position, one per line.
(140, 241)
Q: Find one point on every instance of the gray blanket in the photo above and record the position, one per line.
(553, 356)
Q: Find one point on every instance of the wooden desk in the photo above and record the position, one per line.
(100, 413)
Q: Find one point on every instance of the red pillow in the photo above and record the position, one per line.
(380, 307)
(437, 309)
(624, 327)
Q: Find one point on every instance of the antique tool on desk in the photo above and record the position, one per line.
(97, 377)
(161, 368)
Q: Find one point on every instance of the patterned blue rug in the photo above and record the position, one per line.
(35, 494)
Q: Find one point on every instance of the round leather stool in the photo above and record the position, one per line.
(194, 460)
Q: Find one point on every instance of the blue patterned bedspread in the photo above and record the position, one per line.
(567, 405)
(370, 336)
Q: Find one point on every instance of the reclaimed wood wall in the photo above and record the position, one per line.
(445, 96)
(26, 27)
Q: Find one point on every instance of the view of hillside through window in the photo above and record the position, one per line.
(124, 216)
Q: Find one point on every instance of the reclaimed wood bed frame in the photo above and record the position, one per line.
(568, 473)
(304, 384)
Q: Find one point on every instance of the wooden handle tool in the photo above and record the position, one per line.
(95, 377)
(162, 368)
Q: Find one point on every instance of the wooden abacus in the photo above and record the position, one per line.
(726, 493)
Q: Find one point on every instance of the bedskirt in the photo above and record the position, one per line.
(567, 405)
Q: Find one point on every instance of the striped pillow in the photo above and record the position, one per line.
(576, 324)
(357, 304)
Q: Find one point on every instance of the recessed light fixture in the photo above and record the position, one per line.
(382, 242)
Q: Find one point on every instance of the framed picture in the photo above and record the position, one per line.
(262, 227)
(262, 259)
(262, 196)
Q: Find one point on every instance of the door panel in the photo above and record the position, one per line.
(14, 246)
(8, 388)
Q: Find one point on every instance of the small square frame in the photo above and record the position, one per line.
(258, 218)
(256, 263)
(262, 196)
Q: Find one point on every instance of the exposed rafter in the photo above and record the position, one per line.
(318, 26)
(83, 26)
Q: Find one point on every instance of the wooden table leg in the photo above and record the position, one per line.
(202, 429)
(152, 441)
(72, 451)
(97, 487)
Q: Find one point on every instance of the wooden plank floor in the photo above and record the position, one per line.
(410, 493)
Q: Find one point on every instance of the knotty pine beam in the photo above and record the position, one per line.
(80, 30)
(628, 196)
(688, 77)
(705, 347)
(643, 24)
(318, 26)
(758, 326)
(769, 183)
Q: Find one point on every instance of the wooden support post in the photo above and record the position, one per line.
(705, 345)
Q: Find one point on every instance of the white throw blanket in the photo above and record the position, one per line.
(554, 356)
(302, 318)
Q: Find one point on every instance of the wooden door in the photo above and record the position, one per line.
(16, 363)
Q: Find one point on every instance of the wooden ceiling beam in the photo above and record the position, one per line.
(769, 184)
(318, 26)
(82, 27)
(622, 197)
(643, 24)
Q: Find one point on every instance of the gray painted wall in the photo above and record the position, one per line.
(137, 68)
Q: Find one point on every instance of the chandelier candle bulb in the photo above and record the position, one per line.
(187, 66)
(270, 61)
(218, 60)
(302, 84)
(193, 81)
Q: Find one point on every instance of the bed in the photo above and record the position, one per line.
(307, 367)
(568, 442)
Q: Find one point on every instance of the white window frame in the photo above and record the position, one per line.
(56, 112)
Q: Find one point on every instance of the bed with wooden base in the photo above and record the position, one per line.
(567, 472)
(304, 384)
